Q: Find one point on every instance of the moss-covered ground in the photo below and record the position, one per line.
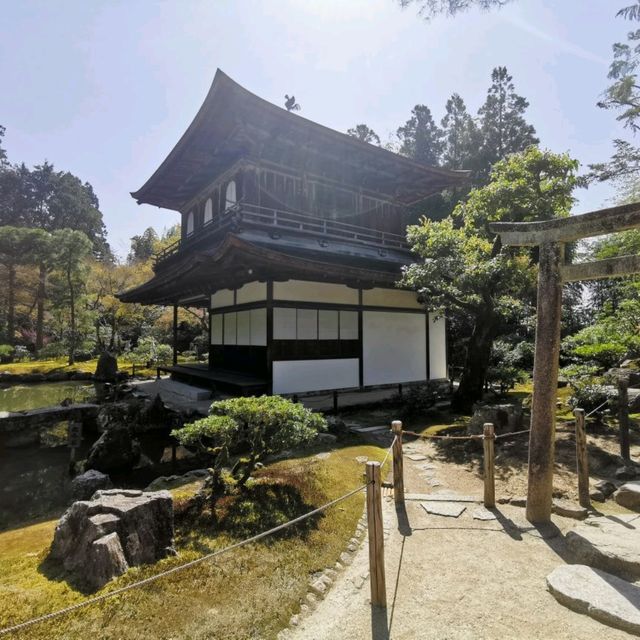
(248, 593)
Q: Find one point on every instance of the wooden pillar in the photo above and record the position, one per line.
(545, 383)
(623, 417)
(582, 460)
(398, 473)
(489, 438)
(376, 535)
(175, 334)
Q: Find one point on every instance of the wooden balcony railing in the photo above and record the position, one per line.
(254, 216)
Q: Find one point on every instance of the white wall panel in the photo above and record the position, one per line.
(284, 324)
(437, 347)
(328, 325)
(259, 327)
(390, 298)
(230, 328)
(252, 292)
(307, 324)
(222, 298)
(303, 291)
(216, 328)
(300, 376)
(394, 346)
(243, 327)
(349, 325)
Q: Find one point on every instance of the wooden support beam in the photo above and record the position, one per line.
(175, 334)
(545, 384)
(600, 269)
(489, 438)
(623, 417)
(398, 473)
(376, 535)
(587, 225)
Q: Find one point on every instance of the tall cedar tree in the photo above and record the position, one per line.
(463, 269)
(503, 127)
(364, 133)
(420, 137)
(460, 135)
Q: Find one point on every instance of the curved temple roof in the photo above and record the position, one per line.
(233, 123)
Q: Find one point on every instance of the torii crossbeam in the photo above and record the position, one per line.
(551, 236)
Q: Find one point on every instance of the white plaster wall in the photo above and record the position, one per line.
(216, 328)
(284, 324)
(394, 346)
(222, 298)
(243, 327)
(259, 327)
(230, 328)
(303, 291)
(437, 347)
(349, 325)
(390, 298)
(251, 292)
(300, 376)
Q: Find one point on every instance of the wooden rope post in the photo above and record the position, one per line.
(376, 535)
(623, 417)
(582, 460)
(488, 441)
(398, 473)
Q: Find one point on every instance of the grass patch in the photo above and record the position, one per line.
(249, 593)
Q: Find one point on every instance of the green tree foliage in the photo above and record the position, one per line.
(3, 153)
(623, 97)
(364, 133)
(429, 9)
(461, 137)
(502, 123)
(256, 426)
(71, 250)
(463, 269)
(420, 137)
(143, 246)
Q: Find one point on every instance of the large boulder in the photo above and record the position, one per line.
(107, 368)
(612, 545)
(504, 417)
(600, 595)
(99, 539)
(628, 495)
(115, 450)
(87, 483)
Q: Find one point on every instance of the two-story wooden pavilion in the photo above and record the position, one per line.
(293, 239)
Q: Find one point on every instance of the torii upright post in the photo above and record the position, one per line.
(551, 237)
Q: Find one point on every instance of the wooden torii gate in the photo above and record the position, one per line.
(551, 236)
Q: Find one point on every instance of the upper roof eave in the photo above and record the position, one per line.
(223, 83)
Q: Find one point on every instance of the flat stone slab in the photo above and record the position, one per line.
(481, 513)
(439, 497)
(417, 457)
(600, 595)
(449, 509)
(186, 390)
(611, 544)
(569, 509)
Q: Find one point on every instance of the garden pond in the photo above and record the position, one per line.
(24, 397)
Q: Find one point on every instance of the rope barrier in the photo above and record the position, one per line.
(388, 451)
(186, 565)
(597, 408)
(434, 437)
(511, 433)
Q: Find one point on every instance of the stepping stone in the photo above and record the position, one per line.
(628, 495)
(597, 594)
(569, 509)
(449, 509)
(417, 457)
(481, 513)
(434, 483)
(610, 543)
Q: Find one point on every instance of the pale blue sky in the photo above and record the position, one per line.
(105, 89)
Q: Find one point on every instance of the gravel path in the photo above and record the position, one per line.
(452, 577)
